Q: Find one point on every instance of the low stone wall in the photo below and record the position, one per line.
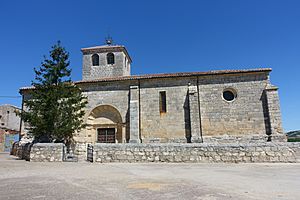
(196, 153)
(80, 151)
(47, 152)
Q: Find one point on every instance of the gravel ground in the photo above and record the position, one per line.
(26, 180)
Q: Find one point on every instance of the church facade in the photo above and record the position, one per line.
(215, 106)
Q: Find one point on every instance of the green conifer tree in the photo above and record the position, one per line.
(55, 108)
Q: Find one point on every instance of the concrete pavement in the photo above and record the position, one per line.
(27, 180)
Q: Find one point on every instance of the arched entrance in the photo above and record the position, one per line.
(105, 124)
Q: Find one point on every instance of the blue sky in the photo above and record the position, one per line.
(161, 36)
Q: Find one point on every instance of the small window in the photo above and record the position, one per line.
(162, 102)
(110, 58)
(95, 59)
(229, 94)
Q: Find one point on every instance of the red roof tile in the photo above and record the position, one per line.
(168, 75)
(179, 74)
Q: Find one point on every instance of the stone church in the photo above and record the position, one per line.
(188, 107)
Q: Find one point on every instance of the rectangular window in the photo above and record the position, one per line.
(162, 102)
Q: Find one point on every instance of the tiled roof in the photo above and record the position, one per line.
(168, 75)
(179, 74)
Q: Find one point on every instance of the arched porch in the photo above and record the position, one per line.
(105, 125)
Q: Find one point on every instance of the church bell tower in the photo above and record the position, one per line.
(105, 61)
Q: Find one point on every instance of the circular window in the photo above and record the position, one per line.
(229, 94)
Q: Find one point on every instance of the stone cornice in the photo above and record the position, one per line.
(104, 49)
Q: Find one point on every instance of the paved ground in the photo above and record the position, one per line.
(26, 180)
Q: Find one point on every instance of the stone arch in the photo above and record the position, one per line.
(105, 117)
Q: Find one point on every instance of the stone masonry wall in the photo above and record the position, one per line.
(255, 138)
(47, 152)
(242, 116)
(184, 121)
(112, 94)
(81, 151)
(104, 70)
(174, 125)
(273, 108)
(197, 153)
